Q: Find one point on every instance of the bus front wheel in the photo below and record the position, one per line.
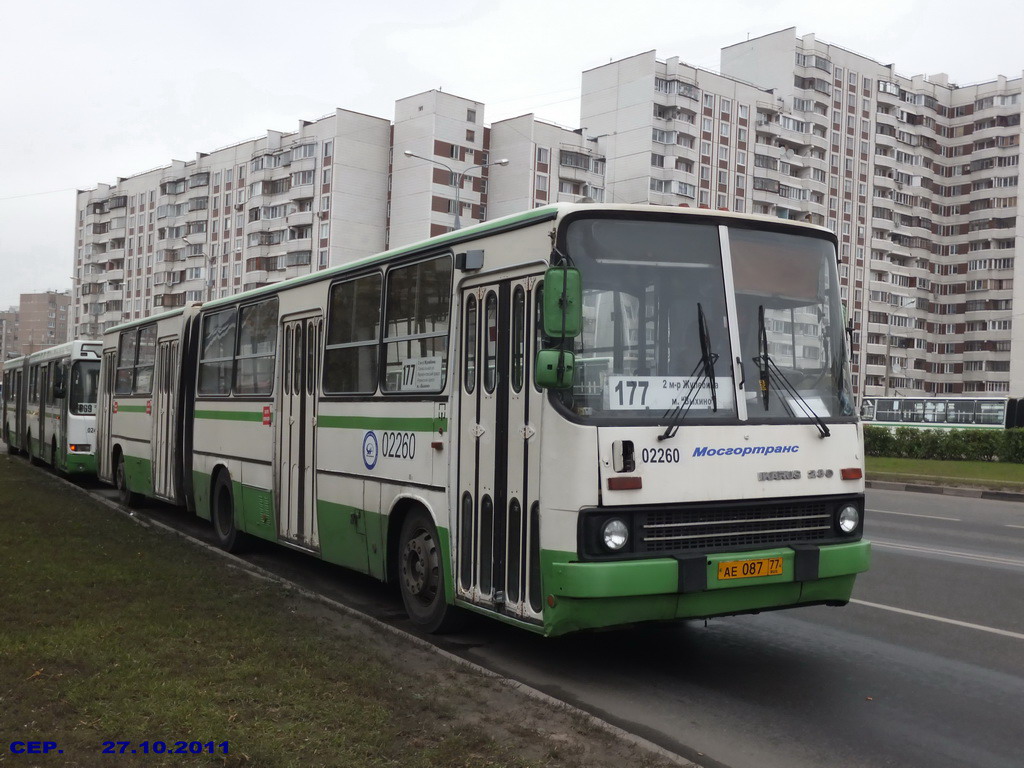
(421, 576)
(222, 503)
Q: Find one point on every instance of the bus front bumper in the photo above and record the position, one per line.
(589, 595)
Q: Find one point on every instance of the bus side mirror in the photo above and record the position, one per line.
(563, 303)
(555, 369)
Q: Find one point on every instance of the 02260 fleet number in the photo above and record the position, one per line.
(398, 445)
(660, 455)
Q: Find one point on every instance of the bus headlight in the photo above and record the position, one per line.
(848, 519)
(614, 534)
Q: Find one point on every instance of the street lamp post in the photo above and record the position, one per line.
(459, 176)
(211, 262)
(889, 368)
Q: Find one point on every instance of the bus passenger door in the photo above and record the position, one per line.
(497, 533)
(164, 411)
(104, 404)
(296, 432)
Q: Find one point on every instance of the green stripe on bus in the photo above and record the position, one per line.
(382, 422)
(230, 415)
(131, 409)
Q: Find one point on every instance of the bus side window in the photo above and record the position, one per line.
(126, 349)
(353, 331)
(146, 360)
(257, 348)
(490, 342)
(469, 351)
(417, 317)
(518, 337)
(216, 355)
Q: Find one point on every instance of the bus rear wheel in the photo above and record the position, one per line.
(222, 510)
(125, 495)
(421, 576)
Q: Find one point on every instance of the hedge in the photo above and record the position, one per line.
(945, 444)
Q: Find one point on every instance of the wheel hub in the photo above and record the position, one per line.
(419, 566)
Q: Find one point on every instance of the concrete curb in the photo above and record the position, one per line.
(946, 490)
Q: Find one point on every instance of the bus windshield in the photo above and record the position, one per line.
(85, 378)
(657, 332)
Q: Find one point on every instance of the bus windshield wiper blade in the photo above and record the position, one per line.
(762, 356)
(781, 379)
(707, 357)
(767, 369)
(706, 365)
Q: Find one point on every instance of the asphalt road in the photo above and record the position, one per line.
(925, 667)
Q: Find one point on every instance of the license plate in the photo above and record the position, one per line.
(750, 569)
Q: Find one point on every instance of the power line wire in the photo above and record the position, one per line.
(38, 194)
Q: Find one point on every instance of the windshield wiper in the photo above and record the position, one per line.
(767, 368)
(706, 365)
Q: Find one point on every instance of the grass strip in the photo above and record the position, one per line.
(986, 474)
(115, 632)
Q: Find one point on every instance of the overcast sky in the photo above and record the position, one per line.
(95, 90)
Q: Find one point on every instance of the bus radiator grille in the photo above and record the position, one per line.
(734, 527)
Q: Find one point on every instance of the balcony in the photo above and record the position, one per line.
(169, 300)
(299, 218)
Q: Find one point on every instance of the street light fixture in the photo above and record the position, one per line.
(459, 176)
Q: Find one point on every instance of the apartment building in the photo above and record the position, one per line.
(39, 321)
(9, 346)
(548, 163)
(917, 177)
(449, 172)
(230, 220)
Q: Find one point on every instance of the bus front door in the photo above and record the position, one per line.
(296, 432)
(105, 410)
(165, 438)
(497, 531)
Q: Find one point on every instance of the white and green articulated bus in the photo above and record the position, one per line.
(576, 417)
(49, 406)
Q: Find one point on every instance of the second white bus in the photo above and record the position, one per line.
(49, 406)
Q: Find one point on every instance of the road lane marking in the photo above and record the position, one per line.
(911, 514)
(993, 559)
(919, 615)
(1011, 525)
